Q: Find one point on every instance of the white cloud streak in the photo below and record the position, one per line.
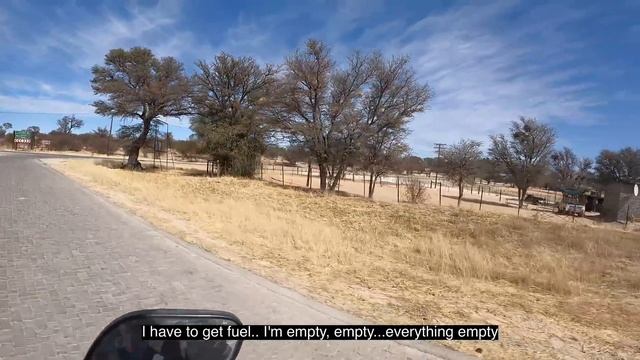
(483, 79)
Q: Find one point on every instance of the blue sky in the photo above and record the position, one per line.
(574, 65)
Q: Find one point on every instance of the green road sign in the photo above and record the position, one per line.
(23, 134)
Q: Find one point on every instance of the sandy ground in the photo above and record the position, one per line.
(563, 291)
(496, 199)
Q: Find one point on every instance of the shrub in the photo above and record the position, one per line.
(415, 190)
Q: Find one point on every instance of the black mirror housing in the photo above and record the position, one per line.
(122, 338)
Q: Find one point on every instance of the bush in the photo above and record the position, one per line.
(415, 191)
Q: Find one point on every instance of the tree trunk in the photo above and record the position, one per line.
(336, 179)
(522, 193)
(460, 191)
(323, 176)
(372, 184)
(134, 148)
(308, 173)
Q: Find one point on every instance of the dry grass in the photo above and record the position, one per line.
(556, 290)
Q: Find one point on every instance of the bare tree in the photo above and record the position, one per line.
(568, 169)
(102, 132)
(317, 107)
(137, 85)
(68, 123)
(524, 153)
(459, 162)
(338, 114)
(392, 97)
(230, 96)
(618, 166)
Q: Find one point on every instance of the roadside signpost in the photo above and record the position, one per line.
(22, 137)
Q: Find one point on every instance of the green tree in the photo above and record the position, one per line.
(230, 96)
(137, 85)
(68, 123)
(4, 127)
(621, 166)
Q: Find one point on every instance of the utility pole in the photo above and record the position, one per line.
(438, 147)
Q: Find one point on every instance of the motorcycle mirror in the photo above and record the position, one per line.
(122, 338)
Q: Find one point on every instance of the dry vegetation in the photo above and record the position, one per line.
(557, 291)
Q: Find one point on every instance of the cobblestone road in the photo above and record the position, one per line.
(70, 262)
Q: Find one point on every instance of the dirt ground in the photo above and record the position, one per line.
(496, 199)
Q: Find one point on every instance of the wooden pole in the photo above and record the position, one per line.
(364, 185)
(500, 196)
(109, 138)
(440, 194)
(261, 170)
(398, 187)
(282, 167)
(481, 194)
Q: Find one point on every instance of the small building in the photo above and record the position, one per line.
(618, 199)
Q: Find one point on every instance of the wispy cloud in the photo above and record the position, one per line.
(44, 105)
(488, 63)
(87, 41)
(484, 78)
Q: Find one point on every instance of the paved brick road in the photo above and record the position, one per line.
(70, 262)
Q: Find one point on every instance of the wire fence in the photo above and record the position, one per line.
(393, 187)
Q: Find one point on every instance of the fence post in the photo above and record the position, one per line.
(472, 188)
(364, 185)
(440, 194)
(282, 173)
(481, 194)
(398, 187)
(626, 220)
(261, 170)
(500, 196)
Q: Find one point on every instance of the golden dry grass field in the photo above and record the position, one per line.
(556, 290)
